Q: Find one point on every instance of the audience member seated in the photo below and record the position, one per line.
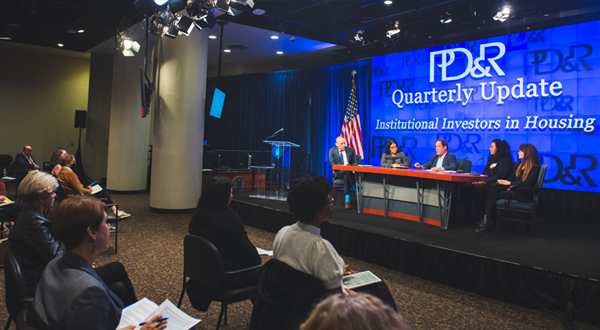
(526, 175)
(498, 166)
(215, 221)
(301, 247)
(392, 157)
(55, 161)
(342, 155)
(24, 162)
(8, 213)
(72, 184)
(354, 312)
(441, 161)
(70, 294)
(33, 244)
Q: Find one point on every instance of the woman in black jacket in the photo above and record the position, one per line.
(525, 175)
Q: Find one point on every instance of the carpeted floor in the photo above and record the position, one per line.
(151, 248)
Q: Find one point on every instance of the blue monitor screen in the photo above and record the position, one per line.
(539, 87)
(217, 103)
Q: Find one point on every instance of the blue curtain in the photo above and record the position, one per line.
(309, 104)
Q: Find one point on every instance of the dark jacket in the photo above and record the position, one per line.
(285, 297)
(497, 169)
(33, 245)
(387, 160)
(525, 195)
(72, 296)
(449, 163)
(224, 228)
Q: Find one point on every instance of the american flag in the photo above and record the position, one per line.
(351, 129)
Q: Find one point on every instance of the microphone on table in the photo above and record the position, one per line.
(475, 173)
(458, 170)
(273, 135)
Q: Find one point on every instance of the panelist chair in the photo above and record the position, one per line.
(338, 184)
(463, 165)
(524, 212)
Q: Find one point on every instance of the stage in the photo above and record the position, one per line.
(558, 271)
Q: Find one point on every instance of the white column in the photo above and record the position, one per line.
(179, 122)
(129, 135)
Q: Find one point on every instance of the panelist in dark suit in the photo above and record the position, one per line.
(25, 162)
(441, 161)
(342, 155)
(70, 295)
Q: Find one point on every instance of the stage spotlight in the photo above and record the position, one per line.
(446, 18)
(185, 25)
(170, 31)
(238, 7)
(207, 22)
(502, 15)
(359, 35)
(160, 2)
(394, 31)
(223, 5)
(130, 46)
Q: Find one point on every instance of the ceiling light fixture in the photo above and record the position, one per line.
(60, 45)
(227, 50)
(80, 31)
(274, 37)
(388, 2)
(212, 37)
(279, 52)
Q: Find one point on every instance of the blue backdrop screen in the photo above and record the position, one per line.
(540, 87)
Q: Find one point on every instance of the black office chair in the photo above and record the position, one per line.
(5, 161)
(286, 297)
(524, 212)
(15, 287)
(202, 264)
(339, 183)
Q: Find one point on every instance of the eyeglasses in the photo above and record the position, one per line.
(331, 200)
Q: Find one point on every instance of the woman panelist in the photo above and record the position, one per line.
(70, 295)
(392, 157)
(498, 166)
(526, 175)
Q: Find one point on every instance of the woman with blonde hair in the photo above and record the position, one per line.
(354, 312)
(525, 175)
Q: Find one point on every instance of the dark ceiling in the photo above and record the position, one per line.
(47, 23)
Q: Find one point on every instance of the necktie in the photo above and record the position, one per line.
(342, 158)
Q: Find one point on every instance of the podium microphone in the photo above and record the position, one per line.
(458, 170)
(475, 173)
(273, 135)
